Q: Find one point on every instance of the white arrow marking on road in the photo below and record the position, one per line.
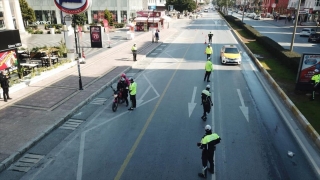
(192, 104)
(139, 101)
(243, 108)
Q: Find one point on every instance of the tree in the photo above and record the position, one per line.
(108, 16)
(181, 5)
(79, 19)
(27, 12)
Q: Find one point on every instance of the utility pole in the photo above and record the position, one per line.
(295, 26)
(243, 10)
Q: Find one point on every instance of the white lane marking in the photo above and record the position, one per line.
(243, 108)
(192, 104)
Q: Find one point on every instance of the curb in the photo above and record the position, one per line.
(14, 157)
(302, 120)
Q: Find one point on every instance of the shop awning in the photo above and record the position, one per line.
(166, 18)
(151, 19)
(141, 19)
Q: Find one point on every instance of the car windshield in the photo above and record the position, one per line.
(307, 30)
(231, 50)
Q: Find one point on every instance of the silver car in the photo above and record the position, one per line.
(307, 32)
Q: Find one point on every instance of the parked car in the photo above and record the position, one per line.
(314, 38)
(307, 32)
(205, 10)
(252, 15)
(257, 17)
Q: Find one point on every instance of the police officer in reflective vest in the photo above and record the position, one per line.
(134, 52)
(206, 102)
(208, 67)
(315, 80)
(208, 145)
(208, 51)
(132, 92)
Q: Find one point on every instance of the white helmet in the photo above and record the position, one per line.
(208, 86)
(207, 128)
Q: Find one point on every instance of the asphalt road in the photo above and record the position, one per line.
(282, 35)
(158, 139)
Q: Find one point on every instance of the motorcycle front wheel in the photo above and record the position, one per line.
(114, 106)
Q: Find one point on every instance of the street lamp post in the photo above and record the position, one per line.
(243, 10)
(76, 38)
(152, 26)
(295, 26)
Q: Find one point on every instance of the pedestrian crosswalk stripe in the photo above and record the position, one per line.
(71, 124)
(98, 101)
(25, 163)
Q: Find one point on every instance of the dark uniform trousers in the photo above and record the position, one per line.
(133, 100)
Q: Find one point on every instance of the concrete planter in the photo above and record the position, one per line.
(52, 30)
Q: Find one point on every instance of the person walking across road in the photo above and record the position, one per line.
(206, 102)
(315, 80)
(134, 52)
(132, 92)
(210, 37)
(4, 81)
(209, 68)
(208, 145)
(208, 51)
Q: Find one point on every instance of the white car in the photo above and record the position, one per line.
(257, 17)
(249, 14)
(252, 15)
(307, 32)
(205, 10)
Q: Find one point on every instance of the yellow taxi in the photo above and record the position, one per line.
(230, 54)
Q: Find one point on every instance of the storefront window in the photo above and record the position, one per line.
(124, 16)
(46, 16)
(97, 16)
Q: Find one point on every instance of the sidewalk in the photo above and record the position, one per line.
(284, 23)
(42, 106)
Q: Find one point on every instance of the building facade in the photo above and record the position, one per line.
(10, 15)
(46, 11)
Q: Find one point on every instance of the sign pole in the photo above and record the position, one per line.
(295, 26)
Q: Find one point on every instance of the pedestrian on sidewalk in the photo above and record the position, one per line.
(157, 35)
(206, 102)
(208, 145)
(132, 92)
(208, 51)
(4, 81)
(208, 68)
(134, 52)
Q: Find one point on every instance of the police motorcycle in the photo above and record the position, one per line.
(116, 99)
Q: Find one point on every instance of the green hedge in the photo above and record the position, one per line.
(118, 25)
(57, 26)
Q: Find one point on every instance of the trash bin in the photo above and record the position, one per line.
(51, 30)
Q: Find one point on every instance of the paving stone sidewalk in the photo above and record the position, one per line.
(44, 105)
